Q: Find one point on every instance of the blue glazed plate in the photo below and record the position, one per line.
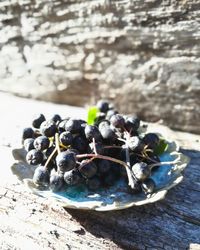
(114, 198)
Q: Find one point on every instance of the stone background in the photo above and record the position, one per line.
(142, 55)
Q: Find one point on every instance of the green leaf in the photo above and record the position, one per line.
(161, 148)
(92, 115)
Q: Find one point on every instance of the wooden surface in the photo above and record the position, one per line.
(31, 222)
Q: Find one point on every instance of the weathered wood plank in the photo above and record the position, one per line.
(29, 221)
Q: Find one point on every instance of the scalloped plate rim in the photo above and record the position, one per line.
(99, 206)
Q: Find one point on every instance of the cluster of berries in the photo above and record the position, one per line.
(71, 152)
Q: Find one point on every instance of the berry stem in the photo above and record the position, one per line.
(130, 174)
(50, 158)
(145, 157)
(63, 146)
(128, 171)
(94, 145)
(101, 157)
(127, 156)
(57, 143)
(112, 147)
(164, 163)
(120, 139)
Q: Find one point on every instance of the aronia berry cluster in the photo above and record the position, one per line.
(71, 152)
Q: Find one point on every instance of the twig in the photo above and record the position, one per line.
(130, 174)
(63, 146)
(101, 157)
(50, 157)
(164, 163)
(128, 171)
(112, 147)
(57, 143)
(120, 139)
(127, 156)
(94, 145)
(145, 156)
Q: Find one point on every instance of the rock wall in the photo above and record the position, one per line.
(142, 55)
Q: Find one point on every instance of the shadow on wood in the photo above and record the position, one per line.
(172, 223)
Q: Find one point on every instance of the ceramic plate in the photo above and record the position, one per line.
(114, 198)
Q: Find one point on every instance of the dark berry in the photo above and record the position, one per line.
(56, 118)
(151, 139)
(132, 123)
(98, 146)
(103, 124)
(61, 125)
(92, 132)
(103, 105)
(93, 184)
(41, 143)
(73, 177)
(65, 161)
(110, 113)
(149, 186)
(38, 120)
(103, 166)
(56, 182)
(66, 138)
(48, 128)
(108, 134)
(34, 157)
(88, 168)
(117, 121)
(80, 144)
(41, 176)
(27, 133)
(135, 144)
(73, 125)
(141, 171)
(28, 144)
